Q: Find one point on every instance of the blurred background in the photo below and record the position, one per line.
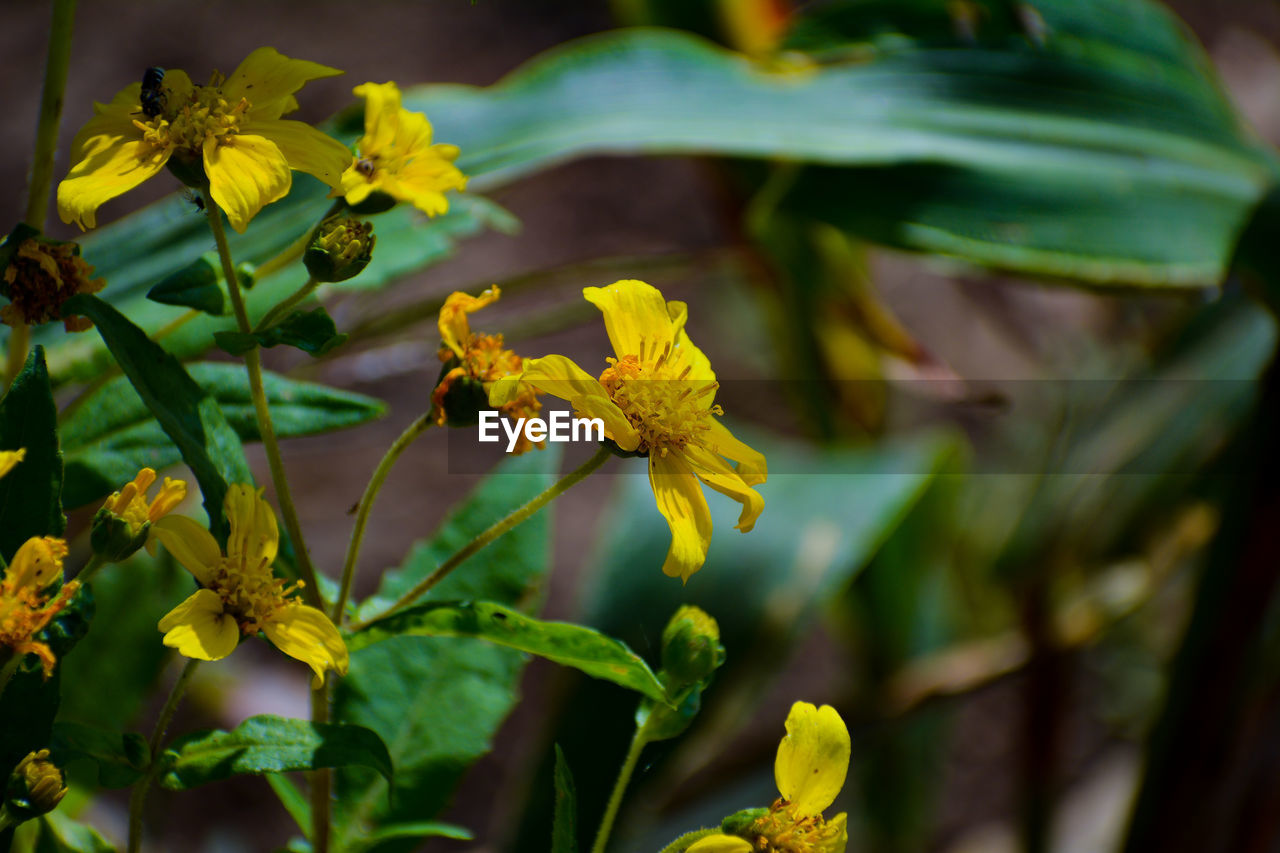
(994, 494)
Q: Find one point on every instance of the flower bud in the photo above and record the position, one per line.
(691, 649)
(340, 249)
(35, 787)
(114, 538)
(123, 523)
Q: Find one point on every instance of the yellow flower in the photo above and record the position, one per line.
(42, 275)
(123, 524)
(474, 361)
(10, 458)
(657, 400)
(239, 595)
(812, 762)
(25, 608)
(395, 156)
(229, 133)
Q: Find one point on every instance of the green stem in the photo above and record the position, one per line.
(284, 305)
(415, 429)
(138, 798)
(638, 743)
(57, 61)
(517, 517)
(295, 249)
(321, 780)
(253, 363)
(6, 820)
(91, 568)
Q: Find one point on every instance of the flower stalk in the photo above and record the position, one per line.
(138, 799)
(638, 742)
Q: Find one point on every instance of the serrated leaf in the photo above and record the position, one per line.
(189, 415)
(111, 434)
(198, 285)
(271, 744)
(564, 826)
(121, 756)
(437, 705)
(562, 642)
(312, 331)
(30, 494)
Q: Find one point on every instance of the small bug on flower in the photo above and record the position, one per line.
(152, 96)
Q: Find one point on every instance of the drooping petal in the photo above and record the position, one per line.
(679, 498)
(381, 115)
(246, 173)
(717, 474)
(113, 119)
(37, 563)
(752, 467)
(308, 635)
(200, 629)
(267, 79)
(635, 316)
(9, 458)
(112, 165)
(454, 327)
(191, 545)
(560, 377)
(255, 536)
(813, 758)
(720, 844)
(307, 149)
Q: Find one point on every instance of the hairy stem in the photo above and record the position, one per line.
(321, 780)
(279, 310)
(415, 429)
(138, 799)
(638, 742)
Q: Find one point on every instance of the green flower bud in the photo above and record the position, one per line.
(691, 649)
(340, 249)
(740, 823)
(35, 787)
(662, 722)
(114, 538)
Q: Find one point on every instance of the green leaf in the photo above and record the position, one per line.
(110, 434)
(561, 642)
(187, 413)
(564, 828)
(61, 834)
(438, 704)
(1091, 158)
(30, 494)
(121, 756)
(271, 744)
(198, 285)
(311, 331)
(418, 829)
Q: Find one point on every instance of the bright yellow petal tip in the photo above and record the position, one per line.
(813, 758)
(10, 458)
(720, 844)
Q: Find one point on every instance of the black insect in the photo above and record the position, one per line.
(194, 198)
(152, 97)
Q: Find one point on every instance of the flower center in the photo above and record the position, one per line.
(251, 594)
(207, 114)
(667, 409)
(782, 830)
(24, 612)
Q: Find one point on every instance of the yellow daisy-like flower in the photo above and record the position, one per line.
(131, 505)
(231, 129)
(478, 361)
(25, 605)
(657, 399)
(239, 595)
(812, 762)
(396, 156)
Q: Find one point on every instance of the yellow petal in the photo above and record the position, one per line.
(307, 149)
(255, 537)
(717, 474)
(268, 79)
(381, 115)
(720, 844)
(113, 164)
(111, 119)
(813, 758)
(37, 563)
(10, 458)
(685, 354)
(246, 173)
(177, 89)
(199, 628)
(560, 377)
(172, 493)
(635, 316)
(308, 635)
(680, 500)
(355, 187)
(190, 544)
(752, 467)
(455, 329)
